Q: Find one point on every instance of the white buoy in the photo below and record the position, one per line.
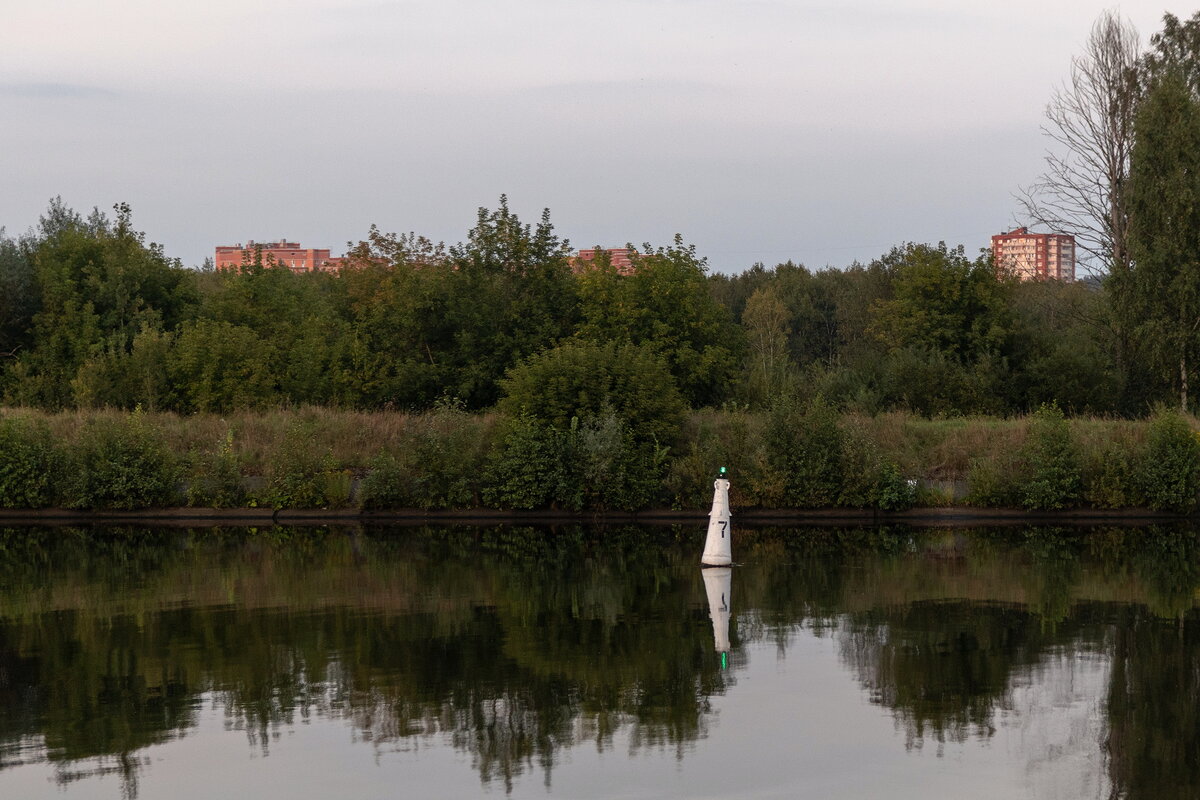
(718, 585)
(718, 551)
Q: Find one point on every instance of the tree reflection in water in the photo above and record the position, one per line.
(515, 644)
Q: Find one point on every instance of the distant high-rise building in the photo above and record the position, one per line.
(282, 254)
(1035, 256)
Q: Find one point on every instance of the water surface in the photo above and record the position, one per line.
(596, 662)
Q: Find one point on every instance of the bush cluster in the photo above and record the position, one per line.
(814, 460)
(1171, 465)
(1052, 476)
(120, 464)
(304, 475)
(214, 477)
(440, 464)
(802, 454)
(598, 464)
(28, 463)
(1052, 471)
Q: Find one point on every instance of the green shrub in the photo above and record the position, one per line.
(531, 468)
(29, 464)
(1170, 468)
(716, 440)
(892, 492)
(595, 465)
(121, 464)
(580, 380)
(214, 478)
(990, 483)
(389, 483)
(302, 475)
(868, 479)
(805, 449)
(613, 469)
(814, 461)
(859, 469)
(438, 465)
(1051, 476)
(1111, 478)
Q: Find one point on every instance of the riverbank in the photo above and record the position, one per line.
(947, 517)
(809, 465)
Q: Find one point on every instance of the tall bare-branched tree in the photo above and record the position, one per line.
(1090, 120)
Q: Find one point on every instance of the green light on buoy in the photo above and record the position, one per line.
(722, 472)
(724, 660)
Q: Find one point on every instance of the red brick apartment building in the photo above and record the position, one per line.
(308, 259)
(282, 253)
(1035, 256)
(620, 257)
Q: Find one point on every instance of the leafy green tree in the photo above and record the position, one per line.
(115, 378)
(945, 302)
(588, 426)
(395, 351)
(1065, 348)
(19, 299)
(219, 367)
(440, 322)
(665, 305)
(511, 294)
(733, 291)
(935, 382)
(766, 322)
(582, 380)
(855, 293)
(1175, 49)
(815, 333)
(101, 285)
(1164, 239)
(302, 318)
(812, 323)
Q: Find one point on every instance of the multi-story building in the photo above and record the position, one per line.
(620, 257)
(282, 253)
(1035, 256)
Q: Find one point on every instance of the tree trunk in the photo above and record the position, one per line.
(1183, 384)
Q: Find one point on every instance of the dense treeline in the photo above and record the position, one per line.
(97, 318)
(94, 317)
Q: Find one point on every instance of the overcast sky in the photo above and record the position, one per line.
(760, 130)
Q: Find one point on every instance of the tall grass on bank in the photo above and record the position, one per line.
(437, 462)
(798, 455)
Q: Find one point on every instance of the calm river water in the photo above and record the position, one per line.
(582, 662)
